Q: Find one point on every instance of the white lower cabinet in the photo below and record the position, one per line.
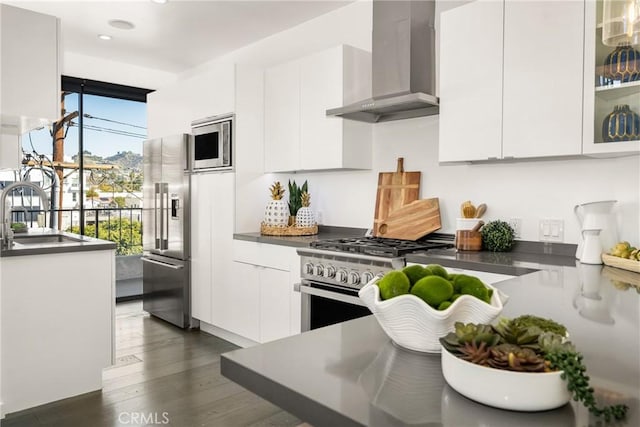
(212, 223)
(267, 307)
(264, 313)
(238, 303)
(57, 326)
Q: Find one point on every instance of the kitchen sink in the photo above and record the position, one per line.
(50, 238)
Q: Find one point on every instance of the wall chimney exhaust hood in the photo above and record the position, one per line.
(403, 64)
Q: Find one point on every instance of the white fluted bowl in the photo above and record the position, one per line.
(516, 391)
(412, 323)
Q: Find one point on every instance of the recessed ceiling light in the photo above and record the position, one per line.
(159, 1)
(121, 24)
(104, 37)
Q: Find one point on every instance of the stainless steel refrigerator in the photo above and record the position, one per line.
(166, 230)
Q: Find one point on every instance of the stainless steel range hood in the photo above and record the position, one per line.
(403, 64)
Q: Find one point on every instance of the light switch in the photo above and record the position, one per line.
(551, 230)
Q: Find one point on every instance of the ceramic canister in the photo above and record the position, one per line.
(622, 124)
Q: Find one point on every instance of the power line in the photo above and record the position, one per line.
(109, 130)
(89, 116)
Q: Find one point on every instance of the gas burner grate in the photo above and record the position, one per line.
(377, 246)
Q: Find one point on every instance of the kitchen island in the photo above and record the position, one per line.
(351, 374)
(57, 307)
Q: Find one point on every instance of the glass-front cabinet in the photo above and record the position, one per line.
(612, 79)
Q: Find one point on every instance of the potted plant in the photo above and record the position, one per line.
(528, 361)
(497, 236)
(295, 199)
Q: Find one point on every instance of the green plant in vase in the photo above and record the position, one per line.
(295, 198)
(529, 344)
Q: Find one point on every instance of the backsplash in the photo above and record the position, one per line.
(529, 190)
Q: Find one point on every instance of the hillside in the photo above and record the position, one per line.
(125, 160)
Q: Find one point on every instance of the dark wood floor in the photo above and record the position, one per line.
(161, 374)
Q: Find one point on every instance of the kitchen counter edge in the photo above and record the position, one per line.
(324, 232)
(87, 244)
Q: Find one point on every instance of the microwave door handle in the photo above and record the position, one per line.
(226, 144)
(156, 220)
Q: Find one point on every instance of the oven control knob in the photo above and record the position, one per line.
(379, 275)
(342, 275)
(330, 272)
(367, 276)
(308, 268)
(354, 278)
(319, 270)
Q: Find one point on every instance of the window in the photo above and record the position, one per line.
(96, 153)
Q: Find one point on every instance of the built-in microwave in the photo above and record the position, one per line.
(212, 143)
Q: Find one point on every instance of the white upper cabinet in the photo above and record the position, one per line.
(172, 108)
(471, 82)
(603, 92)
(543, 62)
(30, 69)
(10, 151)
(297, 133)
(510, 80)
(282, 117)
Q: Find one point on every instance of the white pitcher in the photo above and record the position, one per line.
(592, 247)
(597, 215)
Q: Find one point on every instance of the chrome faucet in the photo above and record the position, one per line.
(6, 236)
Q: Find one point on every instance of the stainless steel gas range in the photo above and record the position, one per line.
(334, 270)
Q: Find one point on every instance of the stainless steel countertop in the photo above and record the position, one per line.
(350, 374)
(84, 243)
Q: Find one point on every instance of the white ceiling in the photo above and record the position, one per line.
(175, 36)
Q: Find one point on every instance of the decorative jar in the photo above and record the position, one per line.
(622, 124)
(622, 65)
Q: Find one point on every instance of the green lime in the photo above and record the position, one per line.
(444, 305)
(433, 290)
(393, 283)
(470, 285)
(438, 270)
(415, 273)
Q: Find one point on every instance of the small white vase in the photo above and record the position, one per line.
(305, 217)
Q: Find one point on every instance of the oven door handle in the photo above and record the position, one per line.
(306, 289)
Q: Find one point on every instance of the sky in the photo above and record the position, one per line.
(103, 135)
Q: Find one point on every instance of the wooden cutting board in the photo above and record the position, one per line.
(412, 221)
(395, 190)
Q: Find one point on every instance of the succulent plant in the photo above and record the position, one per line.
(515, 358)
(547, 325)
(528, 344)
(497, 236)
(475, 353)
(514, 333)
(469, 333)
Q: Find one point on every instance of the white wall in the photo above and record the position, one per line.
(106, 70)
(349, 25)
(526, 190)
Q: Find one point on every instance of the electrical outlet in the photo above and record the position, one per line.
(551, 230)
(516, 224)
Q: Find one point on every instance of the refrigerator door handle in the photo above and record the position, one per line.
(165, 212)
(156, 220)
(164, 264)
